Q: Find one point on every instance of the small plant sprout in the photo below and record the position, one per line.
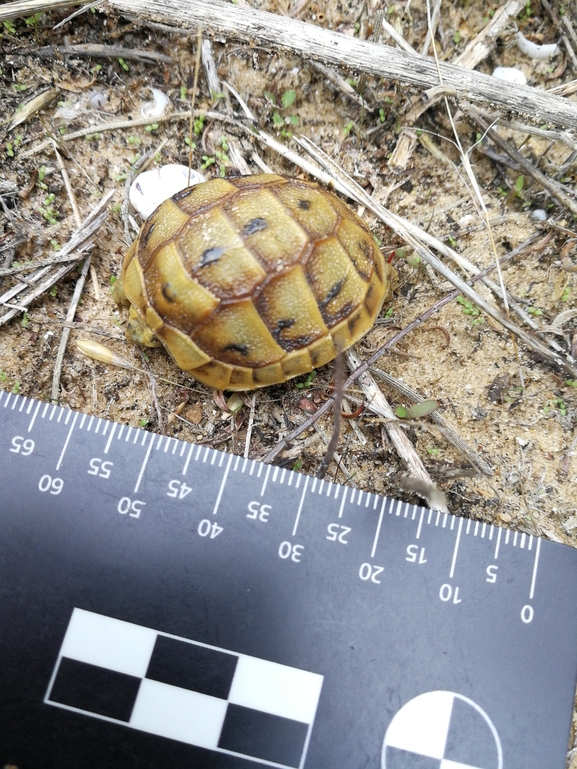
(418, 410)
(348, 127)
(9, 27)
(308, 380)
(566, 293)
(470, 308)
(123, 64)
(558, 404)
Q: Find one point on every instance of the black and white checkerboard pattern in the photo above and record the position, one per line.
(184, 690)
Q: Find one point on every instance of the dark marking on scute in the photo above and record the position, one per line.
(335, 291)
(304, 204)
(315, 356)
(296, 343)
(165, 293)
(378, 270)
(182, 194)
(148, 233)
(365, 248)
(284, 323)
(240, 348)
(211, 255)
(256, 225)
(352, 322)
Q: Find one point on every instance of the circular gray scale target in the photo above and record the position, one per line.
(441, 730)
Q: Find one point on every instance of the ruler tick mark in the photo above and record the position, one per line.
(378, 531)
(343, 502)
(444, 524)
(66, 441)
(476, 528)
(82, 421)
(429, 517)
(297, 519)
(214, 456)
(453, 519)
(119, 436)
(199, 448)
(29, 409)
(59, 415)
(109, 437)
(67, 417)
(456, 550)
(359, 497)
(106, 426)
(260, 469)
(275, 474)
(222, 456)
(321, 487)
(314, 485)
(182, 449)
(265, 480)
(223, 483)
(368, 500)
(530, 544)
(414, 515)
(31, 425)
(522, 542)
(437, 518)
(22, 404)
(98, 426)
(298, 483)
(46, 407)
(329, 489)
(282, 476)
(499, 532)
(253, 465)
(484, 526)
(52, 413)
(291, 479)
(420, 526)
(144, 463)
(491, 530)
(188, 456)
(244, 464)
(375, 502)
(468, 526)
(535, 565)
(206, 453)
(236, 463)
(337, 492)
(515, 539)
(15, 402)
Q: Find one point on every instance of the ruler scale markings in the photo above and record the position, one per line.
(109, 437)
(265, 480)
(530, 544)
(2, 394)
(183, 446)
(144, 463)
(222, 484)
(352, 499)
(360, 497)
(30, 405)
(214, 456)
(236, 463)
(52, 413)
(414, 515)
(491, 529)
(283, 475)
(198, 450)
(106, 426)
(452, 524)
(244, 464)
(499, 532)
(523, 538)
(484, 526)
(298, 483)
(275, 474)
(345, 490)
(222, 456)
(66, 441)
(119, 436)
(15, 402)
(128, 434)
(46, 407)
(420, 526)
(291, 479)
(337, 492)
(378, 530)
(68, 415)
(329, 488)
(507, 537)
(438, 518)
(297, 519)
(429, 517)
(98, 425)
(60, 415)
(406, 506)
(535, 566)
(137, 434)
(515, 539)
(375, 502)
(314, 485)
(253, 465)
(31, 425)
(22, 404)
(260, 469)
(206, 455)
(82, 421)
(445, 518)
(456, 550)
(188, 456)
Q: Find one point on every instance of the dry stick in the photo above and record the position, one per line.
(378, 403)
(96, 51)
(446, 430)
(553, 187)
(282, 444)
(193, 98)
(337, 402)
(79, 241)
(220, 19)
(477, 50)
(77, 290)
(30, 7)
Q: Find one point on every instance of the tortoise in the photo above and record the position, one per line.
(249, 281)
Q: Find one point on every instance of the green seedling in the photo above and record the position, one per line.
(9, 150)
(16, 388)
(556, 403)
(433, 452)
(143, 423)
(123, 64)
(566, 293)
(151, 127)
(3, 376)
(418, 410)
(571, 382)
(298, 465)
(534, 311)
(307, 382)
(9, 27)
(25, 322)
(348, 128)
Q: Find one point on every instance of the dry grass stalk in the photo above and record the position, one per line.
(219, 18)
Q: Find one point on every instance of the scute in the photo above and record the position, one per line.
(250, 281)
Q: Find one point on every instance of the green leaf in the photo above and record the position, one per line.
(288, 98)
(519, 184)
(401, 412)
(422, 409)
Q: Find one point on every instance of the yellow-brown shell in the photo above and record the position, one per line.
(252, 280)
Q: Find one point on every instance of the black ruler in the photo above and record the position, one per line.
(164, 604)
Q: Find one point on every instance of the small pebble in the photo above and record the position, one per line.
(510, 75)
(539, 214)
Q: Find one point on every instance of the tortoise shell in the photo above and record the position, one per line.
(252, 280)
